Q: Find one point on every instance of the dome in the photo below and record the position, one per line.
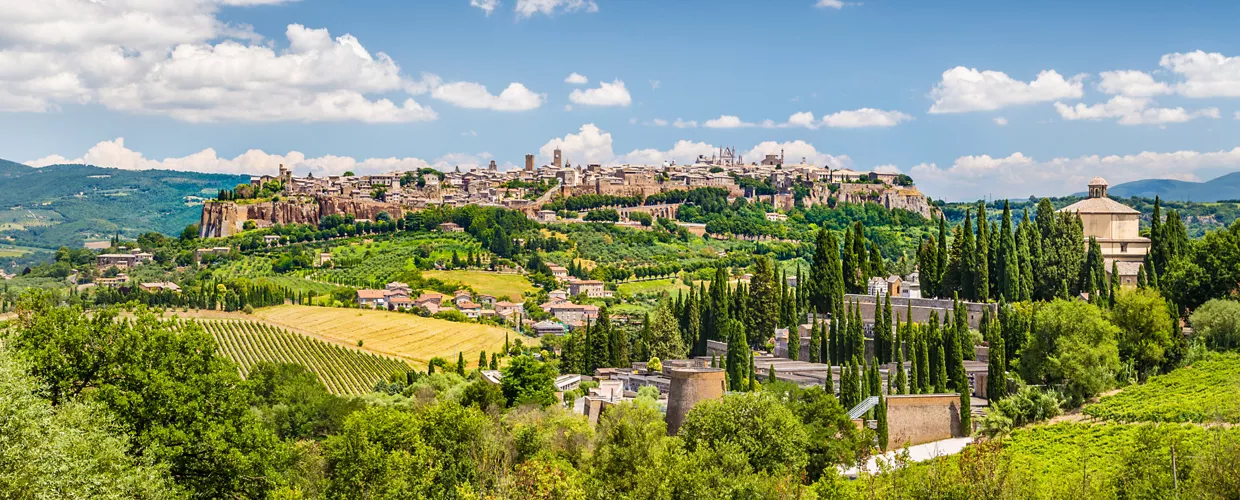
(1098, 181)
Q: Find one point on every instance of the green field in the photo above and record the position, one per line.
(510, 286)
(1207, 391)
(344, 371)
(6, 252)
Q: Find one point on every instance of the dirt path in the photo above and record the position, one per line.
(1075, 415)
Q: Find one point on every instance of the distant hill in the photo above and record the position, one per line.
(65, 205)
(1226, 187)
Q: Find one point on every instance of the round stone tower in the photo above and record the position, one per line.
(690, 385)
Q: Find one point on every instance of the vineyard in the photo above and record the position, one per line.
(377, 263)
(343, 370)
(1207, 391)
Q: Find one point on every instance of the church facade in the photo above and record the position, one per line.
(1116, 227)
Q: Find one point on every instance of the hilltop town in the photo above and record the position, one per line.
(285, 199)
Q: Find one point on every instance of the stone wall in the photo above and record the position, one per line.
(921, 418)
(921, 308)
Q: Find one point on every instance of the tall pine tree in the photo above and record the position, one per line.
(981, 255)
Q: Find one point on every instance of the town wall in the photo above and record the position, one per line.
(914, 419)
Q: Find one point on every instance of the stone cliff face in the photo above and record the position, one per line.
(891, 197)
(225, 218)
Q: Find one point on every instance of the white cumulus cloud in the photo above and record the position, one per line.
(865, 117)
(516, 97)
(1020, 176)
(683, 153)
(794, 151)
(727, 121)
(116, 154)
(487, 6)
(576, 79)
(529, 8)
(176, 58)
(1131, 83)
(830, 4)
(590, 145)
(1132, 111)
(1204, 74)
(607, 94)
(1000, 121)
(967, 89)
(685, 123)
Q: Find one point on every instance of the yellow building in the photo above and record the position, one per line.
(1116, 227)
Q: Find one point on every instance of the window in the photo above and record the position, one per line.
(1123, 247)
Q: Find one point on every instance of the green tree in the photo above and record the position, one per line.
(528, 381)
(628, 437)
(767, 433)
(1145, 328)
(1218, 323)
(1073, 344)
(996, 366)
(880, 414)
(981, 256)
(155, 377)
(764, 297)
(71, 450)
(665, 341)
(737, 358)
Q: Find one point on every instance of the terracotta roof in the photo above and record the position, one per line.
(1099, 206)
(1128, 268)
(468, 305)
(371, 294)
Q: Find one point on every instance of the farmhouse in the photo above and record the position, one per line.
(592, 288)
(1114, 225)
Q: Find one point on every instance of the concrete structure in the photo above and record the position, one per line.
(1116, 226)
(119, 260)
(922, 418)
(690, 386)
(921, 308)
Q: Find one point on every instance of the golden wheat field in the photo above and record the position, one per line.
(402, 335)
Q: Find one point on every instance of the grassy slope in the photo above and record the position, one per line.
(402, 335)
(1207, 391)
(509, 286)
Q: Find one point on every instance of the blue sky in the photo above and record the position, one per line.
(974, 99)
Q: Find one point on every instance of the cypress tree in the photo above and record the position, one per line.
(833, 339)
(966, 414)
(647, 336)
(881, 428)
(794, 344)
(968, 257)
(888, 319)
(828, 384)
(876, 381)
(1114, 284)
(850, 264)
(826, 281)
(876, 266)
(1024, 258)
(1158, 244)
(1142, 281)
(857, 339)
(736, 360)
(901, 378)
(942, 255)
(1009, 260)
(981, 273)
(770, 374)
(694, 327)
(482, 360)
(863, 259)
(753, 384)
(601, 349)
(933, 341)
(913, 341)
(940, 385)
(962, 333)
(815, 340)
(927, 271)
(996, 368)
(763, 301)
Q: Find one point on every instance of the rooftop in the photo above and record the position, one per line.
(1099, 206)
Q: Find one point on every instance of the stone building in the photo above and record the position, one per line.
(1116, 227)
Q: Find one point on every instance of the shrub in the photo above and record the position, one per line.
(1218, 323)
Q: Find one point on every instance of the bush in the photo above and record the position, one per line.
(1218, 323)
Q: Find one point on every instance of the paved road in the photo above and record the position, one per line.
(918, 453)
